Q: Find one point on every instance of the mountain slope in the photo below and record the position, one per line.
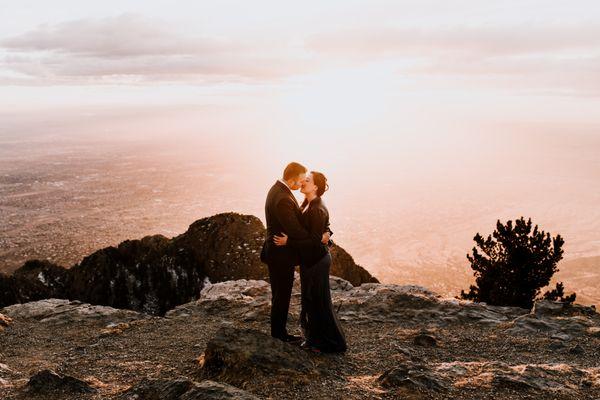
(155, 274)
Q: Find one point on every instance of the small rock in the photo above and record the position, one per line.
(5, 375)
(412, 376)
(512, 381)
(65, 312)
(577, 349)
(114, 329)
(586, 383)
(209, 390)
(48, 381)
(556, 345)
(561, 336)
(425, 340)
(594, 331)
(184, 389)
(4, 322)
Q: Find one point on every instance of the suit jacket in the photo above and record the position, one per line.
(283, 216)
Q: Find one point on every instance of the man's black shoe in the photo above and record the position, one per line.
(290, 338)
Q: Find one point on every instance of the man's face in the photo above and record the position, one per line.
(298, 182)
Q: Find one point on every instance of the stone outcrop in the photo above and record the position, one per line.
(558, 320)
(544, 379)
(383, 302)
(249, 300)
(59, 311)
(155, 274)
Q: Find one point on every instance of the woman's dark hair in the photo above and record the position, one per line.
(321, 182)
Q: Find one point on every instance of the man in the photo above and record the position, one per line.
(283, 216)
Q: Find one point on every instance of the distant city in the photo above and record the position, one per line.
(63, 200)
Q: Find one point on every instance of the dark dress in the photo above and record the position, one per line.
(318, 320)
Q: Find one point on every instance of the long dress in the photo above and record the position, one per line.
(318, 320)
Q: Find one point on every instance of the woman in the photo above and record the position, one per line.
(319, 323)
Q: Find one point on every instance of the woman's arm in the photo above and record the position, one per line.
(317, 221)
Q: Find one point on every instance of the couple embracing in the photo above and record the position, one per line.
(300, 235)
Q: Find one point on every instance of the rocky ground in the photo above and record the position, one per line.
(404, 342)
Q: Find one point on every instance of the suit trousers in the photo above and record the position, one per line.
(282, 279)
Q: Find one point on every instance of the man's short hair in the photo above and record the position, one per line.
(292, 170)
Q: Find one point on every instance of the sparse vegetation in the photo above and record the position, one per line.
(513, 263)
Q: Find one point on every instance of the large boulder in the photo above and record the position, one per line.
(226, 246)
(238, 356)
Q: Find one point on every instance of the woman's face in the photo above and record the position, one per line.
(308, 186)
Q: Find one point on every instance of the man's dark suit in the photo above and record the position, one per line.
(283, 216)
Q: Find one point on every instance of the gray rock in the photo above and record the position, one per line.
(561, 336)
(184, 389)
(209, 390)
(577, 349)
(387, 302)
(413, 376)
(59, 311)
(558, 320)
(547, 308)
(240, 299)
(339, 284)
(554, 379)
(424, 340)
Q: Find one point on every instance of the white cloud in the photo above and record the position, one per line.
(131, 48)
(550, 58)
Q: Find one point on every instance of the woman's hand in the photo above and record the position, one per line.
(280, 240)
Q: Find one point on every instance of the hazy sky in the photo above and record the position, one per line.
(359, 60)
(364, 77)
(424, 113)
